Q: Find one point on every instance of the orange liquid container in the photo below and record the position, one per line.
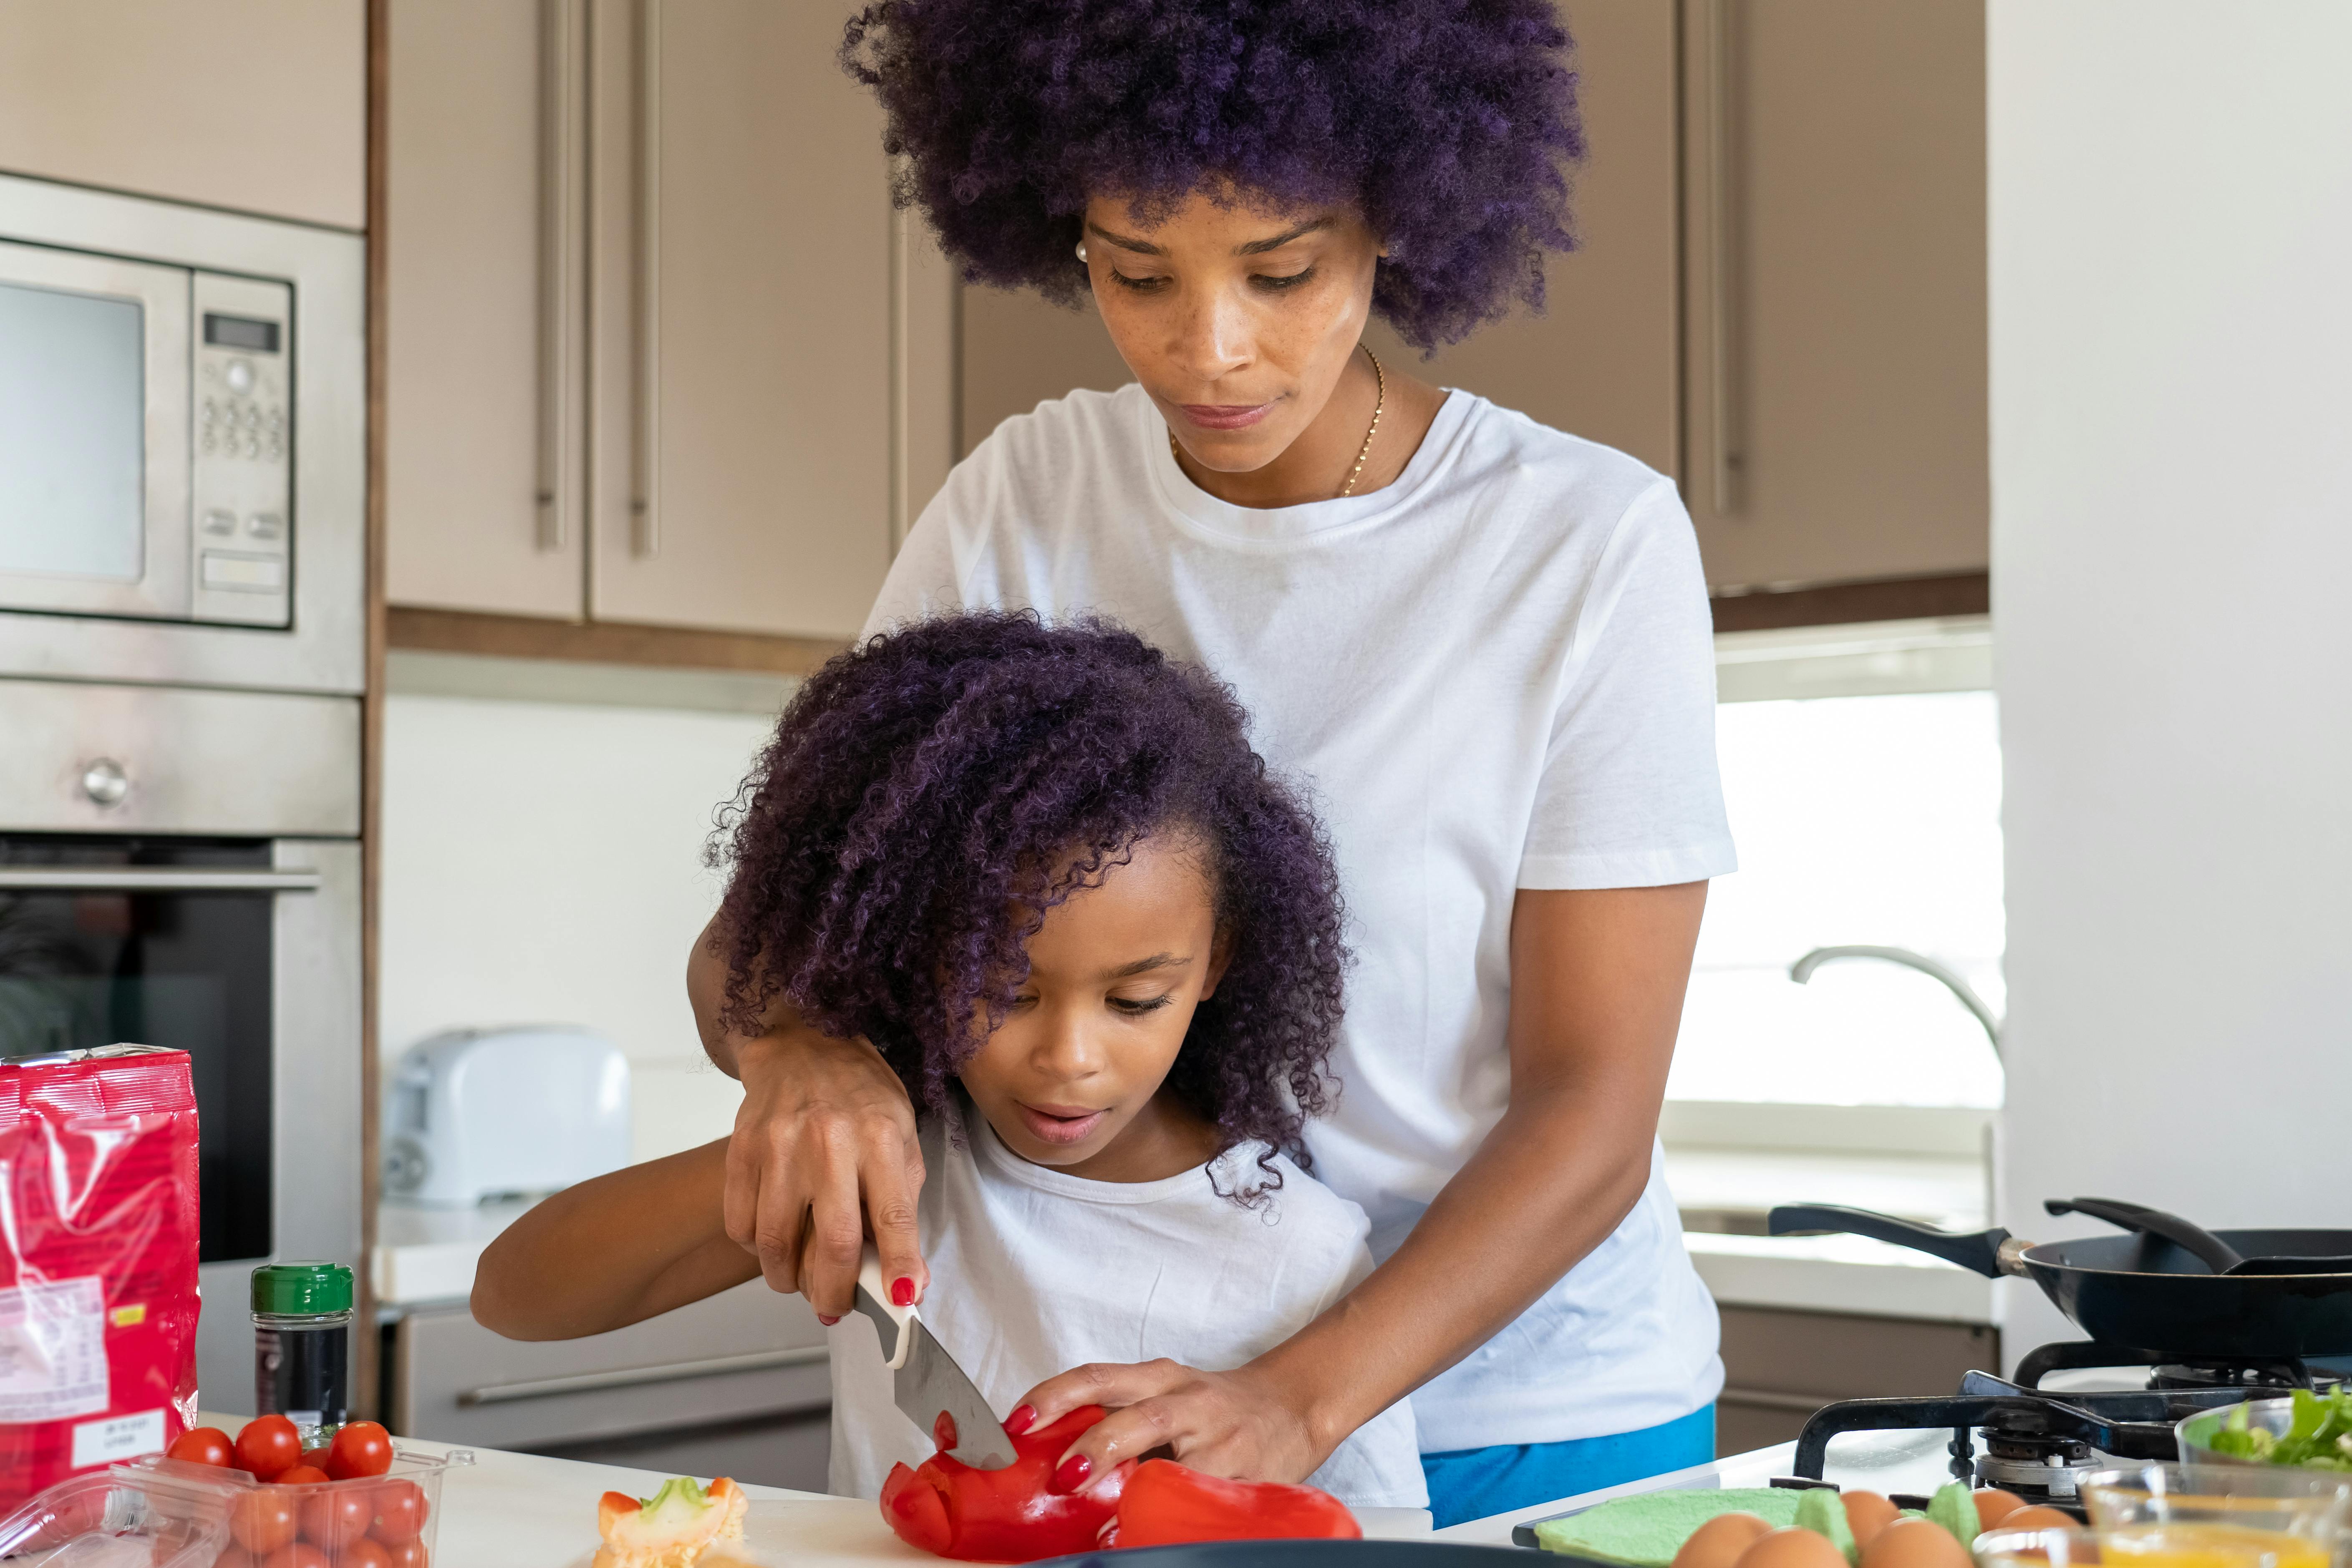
(2203, 1545)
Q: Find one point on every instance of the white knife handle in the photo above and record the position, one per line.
(869, 1279)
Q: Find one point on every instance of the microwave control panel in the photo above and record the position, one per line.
(241, 494)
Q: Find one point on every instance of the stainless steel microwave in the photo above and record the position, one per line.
(182, 441)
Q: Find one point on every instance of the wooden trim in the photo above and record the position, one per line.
(1841, 604)
(366, 1343)
(604, 642)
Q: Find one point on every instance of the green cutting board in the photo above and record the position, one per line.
(1646, 1530)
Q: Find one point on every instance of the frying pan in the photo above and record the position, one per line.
(2145, 1292)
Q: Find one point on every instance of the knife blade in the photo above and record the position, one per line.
(925, 1380)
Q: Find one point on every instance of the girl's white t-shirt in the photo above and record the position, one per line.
(1035, 1271)
(1495, 673)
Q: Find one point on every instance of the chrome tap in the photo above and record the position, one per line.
(1802, 971)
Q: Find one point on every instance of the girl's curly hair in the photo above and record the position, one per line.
(1445, 122)
(923, 785)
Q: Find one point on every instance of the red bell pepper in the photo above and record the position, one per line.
(1011, 1515)
(1165, 1504)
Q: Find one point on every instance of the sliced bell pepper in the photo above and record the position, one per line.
(671, 1529)
(1012, 1515)
(1165, 1504)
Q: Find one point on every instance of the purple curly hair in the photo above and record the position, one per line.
(923, 784)
(1445, 122)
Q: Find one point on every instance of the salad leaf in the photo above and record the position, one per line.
(2318, 1436)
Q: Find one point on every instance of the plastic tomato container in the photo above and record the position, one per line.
(166, 1513)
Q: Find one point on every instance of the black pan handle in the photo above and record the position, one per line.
(1979, 1250)
(2218, 1255)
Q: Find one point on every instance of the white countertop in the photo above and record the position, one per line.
(519, 1511)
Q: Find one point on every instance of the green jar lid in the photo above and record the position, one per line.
(298, 1290)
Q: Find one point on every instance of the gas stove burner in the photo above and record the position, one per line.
(2036, 1443)
(2167, 1371)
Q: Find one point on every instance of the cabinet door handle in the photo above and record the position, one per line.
(635, 1376)
(561, 238)
(153, 879)
(645, 505)
(1721, 361)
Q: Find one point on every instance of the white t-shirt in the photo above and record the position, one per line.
(1495, 673)
(1035, 1271)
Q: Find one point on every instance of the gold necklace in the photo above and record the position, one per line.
(1380, 400)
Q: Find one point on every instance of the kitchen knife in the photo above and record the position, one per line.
(925, 1380)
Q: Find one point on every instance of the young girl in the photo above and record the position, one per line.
(1041, 871)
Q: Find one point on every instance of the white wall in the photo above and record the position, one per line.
(542, 863)
(2171, 326)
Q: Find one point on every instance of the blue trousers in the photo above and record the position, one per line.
(1473, 1483)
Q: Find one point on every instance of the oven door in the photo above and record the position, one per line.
(94, 432)
(243, 953)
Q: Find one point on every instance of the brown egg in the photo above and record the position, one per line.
(1914, 1543)
(1791, 1548)
(1993, 1505)
(2040, 1516)
(1867, 1514)
(1718, 1543)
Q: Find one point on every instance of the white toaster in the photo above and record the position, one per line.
(481, 1114)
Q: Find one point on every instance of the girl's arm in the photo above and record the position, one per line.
(614, 1251)
(1597, 983)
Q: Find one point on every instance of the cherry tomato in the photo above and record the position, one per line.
(335, 1516)
(235, 1557)
(361, 1448)
(407, 1555)
(297, 1554)
(317, 1460)
(399, 1513)
(203, 1446)
(262, 1519)
(299, 1476)
(365, 1552)
(268, 1445)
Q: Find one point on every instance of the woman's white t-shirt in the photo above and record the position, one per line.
(1035, 1271)
(1495, 673)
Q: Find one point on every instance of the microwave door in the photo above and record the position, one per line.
(94, 435)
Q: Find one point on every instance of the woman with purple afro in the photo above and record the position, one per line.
(1484, 643)
(1041, 873)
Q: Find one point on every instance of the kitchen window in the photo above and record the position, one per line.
(1862, 772)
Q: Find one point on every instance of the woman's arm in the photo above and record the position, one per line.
(1597, 983)
(824, 1150)
(612, 1251)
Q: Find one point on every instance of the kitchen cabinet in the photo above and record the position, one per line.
(1601, 360)
(1835, 288)
(1780, 1367)
(660, 355)
(255, 105)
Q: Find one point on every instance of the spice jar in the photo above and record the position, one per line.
(301, 1344)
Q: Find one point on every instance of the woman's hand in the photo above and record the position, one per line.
(1246, 1422)
(824, 1152)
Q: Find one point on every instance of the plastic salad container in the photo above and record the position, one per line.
(165, 1513)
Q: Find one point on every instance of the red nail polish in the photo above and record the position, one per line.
(902, 1291)
(1024, 1416)
(828, 1323)
(1073, 1473)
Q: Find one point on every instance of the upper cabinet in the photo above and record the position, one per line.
(255, 105)
(1601, 360)
(659, 353)
(1834, 288)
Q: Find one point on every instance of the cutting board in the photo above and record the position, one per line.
(820, 1533)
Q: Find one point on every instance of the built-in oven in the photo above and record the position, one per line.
(181, 867)
(181, 429)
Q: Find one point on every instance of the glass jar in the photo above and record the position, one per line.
(302, 1345)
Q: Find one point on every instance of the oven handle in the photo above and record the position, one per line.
(632, 1377)
(153, 879)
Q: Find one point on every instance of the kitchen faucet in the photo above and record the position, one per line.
(1802, 971)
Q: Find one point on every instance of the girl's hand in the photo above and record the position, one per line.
(1244, 1424)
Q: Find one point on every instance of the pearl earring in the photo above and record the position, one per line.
(1082, 251)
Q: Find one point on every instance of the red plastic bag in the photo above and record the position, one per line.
(97, 1260)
